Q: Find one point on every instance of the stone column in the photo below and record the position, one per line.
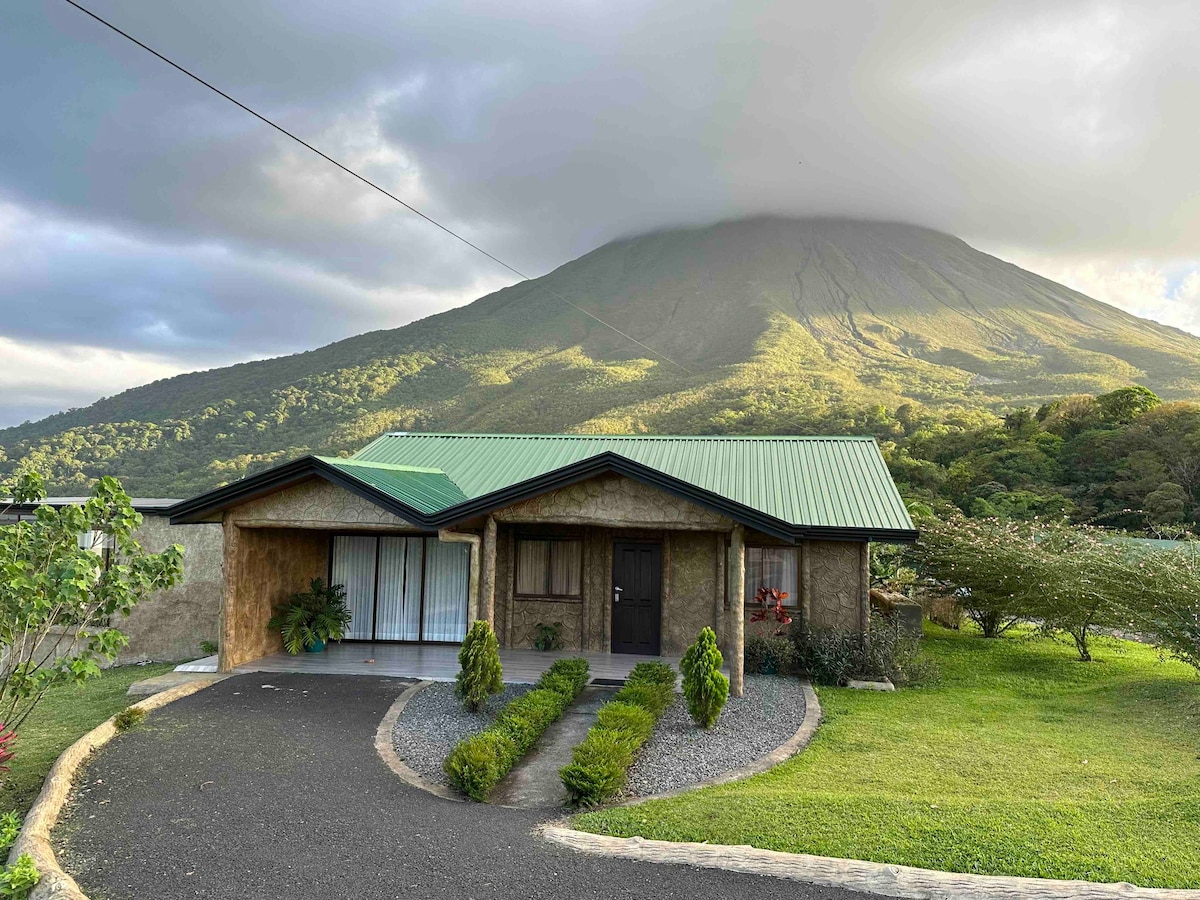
(737, 610)
(487, 575)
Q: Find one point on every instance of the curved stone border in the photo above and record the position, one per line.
(34, 839)
(852, 874)
(786, 750)
(386, 748)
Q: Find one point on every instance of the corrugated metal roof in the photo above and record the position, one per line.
(826, 482)
(425, 489)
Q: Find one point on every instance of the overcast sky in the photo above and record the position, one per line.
(148, 227)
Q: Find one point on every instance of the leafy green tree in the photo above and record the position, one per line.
(1167, 504)
(58, 599)
(1124, 405)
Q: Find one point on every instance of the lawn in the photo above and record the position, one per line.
(1020, 761)
(65, 714)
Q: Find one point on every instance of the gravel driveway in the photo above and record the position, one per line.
(277, 794)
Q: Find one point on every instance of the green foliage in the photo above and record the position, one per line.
(10, 827)
(49, 584)
(832, 656)
(704, 687)
(770, 655)
(129, 717)
(308, 618)
(600, 763)
(548, 636)
(479, 674)
(208, 648)
(476, 764)
(19, 878)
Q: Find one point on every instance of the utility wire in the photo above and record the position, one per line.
(369, 183)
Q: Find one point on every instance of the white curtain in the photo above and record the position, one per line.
(566, 559)
(354, 569)
(447, 571)
(533, 558)
(398, 609)
(773, 567)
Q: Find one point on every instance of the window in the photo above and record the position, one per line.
(549, 568)
(773, 567)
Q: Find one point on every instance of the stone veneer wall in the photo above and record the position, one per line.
(837, 584)
(263, 566)
(170, 625)
(690, 561)
(315, 504)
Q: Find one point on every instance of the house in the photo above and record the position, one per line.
(168, 626)
(632, 543)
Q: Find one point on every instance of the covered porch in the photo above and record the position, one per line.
(428, 662)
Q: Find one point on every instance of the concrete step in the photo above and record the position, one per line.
(148, 686)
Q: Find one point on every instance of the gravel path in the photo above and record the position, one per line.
(681, 754)
(435, 720)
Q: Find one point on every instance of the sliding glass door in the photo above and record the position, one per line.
(402, 588)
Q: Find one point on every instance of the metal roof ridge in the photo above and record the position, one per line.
(630, 437)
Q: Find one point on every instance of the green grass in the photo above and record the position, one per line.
(1021, 761)
(65, 714)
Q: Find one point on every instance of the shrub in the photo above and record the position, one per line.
(888, 651)
(771, 655)
(479, 674)
(129, 717)
(548, 635)
(599, 764)
(208, 648)
(18, 879)
(704, 687)
(476, 764)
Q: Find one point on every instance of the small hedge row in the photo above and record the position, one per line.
(600, 763)
(476, 764)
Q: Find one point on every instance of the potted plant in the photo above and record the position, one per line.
(771, 608)
(310, 619)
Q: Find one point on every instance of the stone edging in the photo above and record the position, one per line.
(34, 839)
(856, 875)
(386, 748)
(786, 750)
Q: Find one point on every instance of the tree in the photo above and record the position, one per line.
(59, 594)
(1168, 504)
(480, 674)
(704, 687)
(1120, 407)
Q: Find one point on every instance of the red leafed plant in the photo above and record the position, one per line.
(7, 738)
(770, 607)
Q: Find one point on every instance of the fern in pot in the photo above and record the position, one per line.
(310, 619)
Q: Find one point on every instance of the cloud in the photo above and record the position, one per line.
(140, 213)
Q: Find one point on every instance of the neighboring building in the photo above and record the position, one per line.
(632, 543)
(170, 625)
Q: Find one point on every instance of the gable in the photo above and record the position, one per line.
(613, 500)
(313, 504)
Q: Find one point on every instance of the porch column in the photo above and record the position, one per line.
(737, 610)
(487, 577)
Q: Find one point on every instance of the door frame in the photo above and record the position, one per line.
(612, 581)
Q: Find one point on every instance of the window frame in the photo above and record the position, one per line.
(548, 575)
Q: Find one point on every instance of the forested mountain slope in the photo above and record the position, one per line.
(786, 325)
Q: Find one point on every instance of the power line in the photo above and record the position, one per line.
(369, 183)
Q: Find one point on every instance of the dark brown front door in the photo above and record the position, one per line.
(637, 598)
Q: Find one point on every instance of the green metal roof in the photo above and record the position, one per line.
(424, 489)
(821, 482)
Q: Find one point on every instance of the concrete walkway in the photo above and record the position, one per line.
(276, 793)
(534, 783)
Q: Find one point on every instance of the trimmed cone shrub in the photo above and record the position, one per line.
(704, 687)
(476, 764)
(480, 674)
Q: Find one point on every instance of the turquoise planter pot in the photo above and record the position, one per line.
(315, 648)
